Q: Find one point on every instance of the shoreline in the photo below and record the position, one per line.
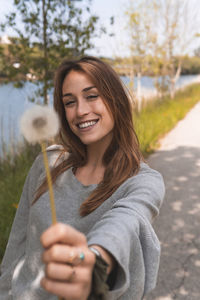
(10, 114)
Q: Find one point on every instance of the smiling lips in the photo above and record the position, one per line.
(87, 124)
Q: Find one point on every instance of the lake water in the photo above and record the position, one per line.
(13, 102)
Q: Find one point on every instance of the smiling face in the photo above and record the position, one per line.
(86, 113)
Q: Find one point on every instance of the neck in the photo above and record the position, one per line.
(95, 156)
(93, 171)
(95, 152)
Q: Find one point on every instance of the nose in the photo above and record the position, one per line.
(83, 108)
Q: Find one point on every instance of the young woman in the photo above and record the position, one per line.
(106, 199)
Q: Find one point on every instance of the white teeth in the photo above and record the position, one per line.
(87, 124)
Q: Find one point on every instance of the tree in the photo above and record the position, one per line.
(142, 38)
(178, 26)
(46, 32)
(197, 52)
(165, 30)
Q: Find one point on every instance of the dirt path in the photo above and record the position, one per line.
(178, 226)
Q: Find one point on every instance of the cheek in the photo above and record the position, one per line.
(109, 118)
(102, 109)
(111, 124)
(68, 115)
(68, 119)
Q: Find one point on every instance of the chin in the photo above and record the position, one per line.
(87, 143)
(89, 140)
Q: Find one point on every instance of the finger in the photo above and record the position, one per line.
(62, 233)
(67, 290)
(69, 255)
(60, 272)
(61, 289)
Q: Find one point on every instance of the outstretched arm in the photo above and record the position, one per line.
(123, 235)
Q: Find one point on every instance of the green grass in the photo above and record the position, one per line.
(12, 176)
(155, 120)
(160, 116)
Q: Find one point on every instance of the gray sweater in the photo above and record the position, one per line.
(122, 225)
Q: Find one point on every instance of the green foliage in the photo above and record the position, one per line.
(142, 37)
(190, 65)
(197, 51)
(52, 30)
(160, 33)
(12, 173)
(160, 116)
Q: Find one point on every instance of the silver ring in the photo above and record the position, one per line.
(75, 258)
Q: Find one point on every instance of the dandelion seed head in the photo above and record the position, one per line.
(40, 123)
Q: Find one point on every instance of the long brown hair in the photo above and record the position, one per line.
(122, 157)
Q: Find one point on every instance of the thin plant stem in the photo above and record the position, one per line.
(50, 185)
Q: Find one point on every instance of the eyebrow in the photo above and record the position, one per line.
(84, 90)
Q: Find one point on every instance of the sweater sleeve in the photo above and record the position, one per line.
(15, 248)
(126, 232)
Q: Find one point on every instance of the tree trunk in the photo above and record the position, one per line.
(174, 79)
(45, 88)
(131, 84)
(172, 88)
(139, 92)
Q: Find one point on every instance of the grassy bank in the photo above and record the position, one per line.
(12, 176)
(152, 123)
(160, 116)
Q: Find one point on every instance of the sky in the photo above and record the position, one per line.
(116, 45)
(105, 45)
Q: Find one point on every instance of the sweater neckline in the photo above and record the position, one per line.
(80, 184)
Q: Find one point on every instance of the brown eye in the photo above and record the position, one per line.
(69, 103)
(92, 96)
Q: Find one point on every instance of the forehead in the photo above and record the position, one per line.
(76, 80)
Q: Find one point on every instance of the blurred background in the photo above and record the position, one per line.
(154, 46)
